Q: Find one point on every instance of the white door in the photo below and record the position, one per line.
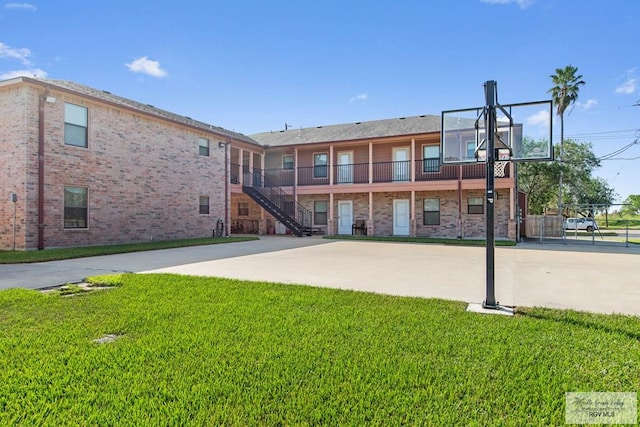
(401, 164)
(401, 217)
(345, 167)
(345, 216)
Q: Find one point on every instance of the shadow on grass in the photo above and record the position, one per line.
(628, 326)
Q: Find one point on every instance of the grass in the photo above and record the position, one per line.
(210, 351)
(437, 240)
(14, 257)
(616, 222)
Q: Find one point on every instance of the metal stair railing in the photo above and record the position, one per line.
(291, 213)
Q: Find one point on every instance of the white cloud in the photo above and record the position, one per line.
(362, 97)
(584, 106)
(628, 87)
(24, 6)
(36, 72)
(21, 55)
(541, 118)
(146, 66)
(630, 83)
(523, 4)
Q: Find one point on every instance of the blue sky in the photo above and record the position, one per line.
(252, 66)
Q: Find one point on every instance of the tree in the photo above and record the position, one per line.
(540, 180)
(632, 205)
(537, 179)
(564, 94)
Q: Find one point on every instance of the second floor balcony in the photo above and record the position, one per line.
(372, 173)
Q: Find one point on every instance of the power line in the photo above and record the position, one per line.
(612, 155)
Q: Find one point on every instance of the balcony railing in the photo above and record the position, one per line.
(358, 173)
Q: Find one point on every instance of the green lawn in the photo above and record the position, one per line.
(13, 257)
(209, 351)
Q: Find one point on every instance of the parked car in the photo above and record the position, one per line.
(580, 224)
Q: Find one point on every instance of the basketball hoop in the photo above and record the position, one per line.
(499, 168)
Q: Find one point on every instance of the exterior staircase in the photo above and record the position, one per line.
(281, 205)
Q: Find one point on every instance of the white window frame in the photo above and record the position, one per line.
(76, 119)
(425, 210)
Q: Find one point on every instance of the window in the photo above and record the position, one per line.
(75, 207)
(320, 213)
(431, 158)
(476, 205)
(75, 125)
(431, 213)
(471, 150)
(287, 162)
(203, 146)
(204, 205)
(243, 209)
(320, 165)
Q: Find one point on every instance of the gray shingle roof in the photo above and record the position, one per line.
(352, 131)
(145, 108)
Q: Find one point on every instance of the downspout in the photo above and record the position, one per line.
(227, 195)
(41, 172)
(460, 202)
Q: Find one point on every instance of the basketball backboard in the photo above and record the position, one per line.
(524, 137)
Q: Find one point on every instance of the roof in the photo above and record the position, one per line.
(352, 131)
(106, 96)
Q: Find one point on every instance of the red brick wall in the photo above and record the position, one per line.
(18, 154)
(144, 175)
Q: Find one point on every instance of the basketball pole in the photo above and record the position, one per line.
(489, 125)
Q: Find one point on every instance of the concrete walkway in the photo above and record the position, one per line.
(600, 279)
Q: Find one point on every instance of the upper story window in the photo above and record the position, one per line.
(75, 125)
(471, 150)
(320, 169)
(431, 158)
(203, 144)
(287, 162)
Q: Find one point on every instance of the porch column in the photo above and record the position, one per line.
(370, 227)
(241, 166)
(295, 174)
(331, 222)
(370, 165)
(331, 165)
(413, 213)
(512, 227)
(264, 229)
(413, 159)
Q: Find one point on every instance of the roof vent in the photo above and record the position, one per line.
(401, 118)
(358, 123)
(149, 105)
(318, 127)
(423, 115)
(107, 92)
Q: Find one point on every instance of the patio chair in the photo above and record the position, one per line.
(359, 228)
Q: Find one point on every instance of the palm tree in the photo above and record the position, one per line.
(564, 94)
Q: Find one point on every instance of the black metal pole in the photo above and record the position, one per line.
(490, 123)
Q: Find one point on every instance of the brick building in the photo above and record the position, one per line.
(88, 167)
(382, 177)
